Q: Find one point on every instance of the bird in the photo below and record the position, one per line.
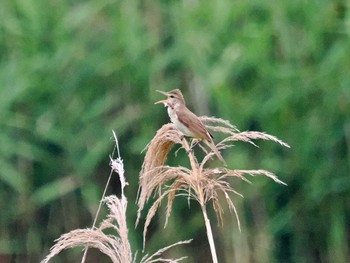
(186, 121)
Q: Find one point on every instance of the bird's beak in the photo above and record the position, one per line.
(165, 102)
(162, 92)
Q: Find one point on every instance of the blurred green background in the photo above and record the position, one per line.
(71, 71)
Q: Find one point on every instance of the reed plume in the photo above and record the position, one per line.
(117, 246)
(197, 182)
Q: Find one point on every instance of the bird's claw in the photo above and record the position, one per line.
(190, 151)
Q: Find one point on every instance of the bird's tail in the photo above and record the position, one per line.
(212, 146)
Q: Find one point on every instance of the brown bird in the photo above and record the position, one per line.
(186, 121)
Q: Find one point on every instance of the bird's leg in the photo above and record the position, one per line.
(182, 137)
(194, 142)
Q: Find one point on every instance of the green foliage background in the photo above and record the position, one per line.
(71, 71)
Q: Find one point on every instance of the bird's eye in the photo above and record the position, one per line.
(172, 96)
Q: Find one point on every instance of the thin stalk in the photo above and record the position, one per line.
(197, 172)
(194, 163)
(209, 235)
(103, 196)
(96, 216)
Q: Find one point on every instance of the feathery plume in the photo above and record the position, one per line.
(197, 182)
(117, 246)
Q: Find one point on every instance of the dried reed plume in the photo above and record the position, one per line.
(198, 183)
(116, 247)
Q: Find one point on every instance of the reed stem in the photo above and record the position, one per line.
(209, 235)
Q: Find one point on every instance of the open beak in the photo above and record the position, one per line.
(165, 102)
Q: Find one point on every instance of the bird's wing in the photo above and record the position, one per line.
(189, 119)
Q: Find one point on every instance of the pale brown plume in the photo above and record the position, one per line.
(212, 146)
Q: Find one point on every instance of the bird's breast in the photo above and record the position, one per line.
(178, 124)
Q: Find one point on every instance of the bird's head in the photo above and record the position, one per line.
(174, 98)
